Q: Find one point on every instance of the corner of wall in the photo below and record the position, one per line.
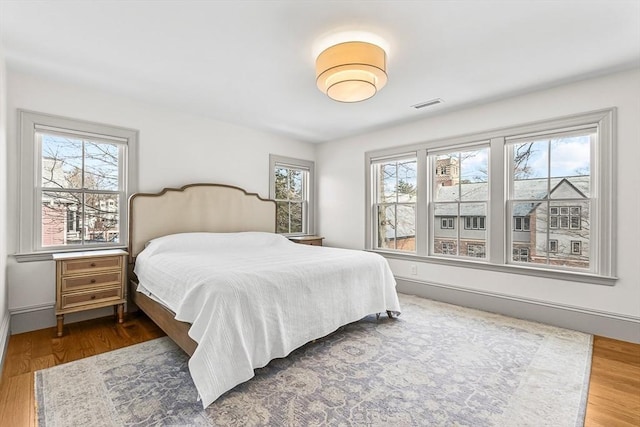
(4, 309)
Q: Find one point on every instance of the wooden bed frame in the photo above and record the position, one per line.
(193, 208)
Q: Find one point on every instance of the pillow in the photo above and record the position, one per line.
(187, 242)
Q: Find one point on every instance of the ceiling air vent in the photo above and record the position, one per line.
(428, 103)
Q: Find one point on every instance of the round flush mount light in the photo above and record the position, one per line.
(351, 71)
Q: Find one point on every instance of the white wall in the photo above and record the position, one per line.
(341, 174)
(4, 312)
(174, 149)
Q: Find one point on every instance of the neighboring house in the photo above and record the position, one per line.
(566, 221)
(63, 223)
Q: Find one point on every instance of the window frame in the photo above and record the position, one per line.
(431, 181)
(525, 223)
(476, 248)
(475, 222)
(450, 223)
(575, 243)
(410, 156)
(498, 223)
(30, 240)
(309, 205)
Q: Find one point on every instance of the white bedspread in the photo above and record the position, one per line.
(252, 297)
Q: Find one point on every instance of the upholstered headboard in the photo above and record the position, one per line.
(196, 207)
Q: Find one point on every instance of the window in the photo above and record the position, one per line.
(576, 247)
(448, 248)
(76, 177)
(525, 193)
(395, 203)
(474, 223)
(291, 186)
(550, 178)
(462, 191)
(521, 223)
(521, 254)
(565, 217)
(476, 251)
(447, 223)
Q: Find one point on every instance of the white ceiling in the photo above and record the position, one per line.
(251, 62)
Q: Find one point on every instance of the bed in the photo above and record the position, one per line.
(208, 268)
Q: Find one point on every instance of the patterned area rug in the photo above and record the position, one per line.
(436, 365)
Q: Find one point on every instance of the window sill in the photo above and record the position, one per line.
(47, 255)
(508, 268)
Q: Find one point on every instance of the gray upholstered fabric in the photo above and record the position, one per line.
(437, 365)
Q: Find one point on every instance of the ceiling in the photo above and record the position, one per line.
(252, 62)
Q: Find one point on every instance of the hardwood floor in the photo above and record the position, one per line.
(41, 349)
(614, 387)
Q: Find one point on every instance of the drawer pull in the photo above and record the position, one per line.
(93, 280)
(93, 297)
(93, 264)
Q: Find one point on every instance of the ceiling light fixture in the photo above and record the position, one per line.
(351, 71)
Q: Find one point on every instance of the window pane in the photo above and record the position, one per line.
(445, 247)
(296, 209)
(521, 236)
(102, 218)
(476, 251)
(282, 181)
(551, 234)
(530, 170)
(407, 181)
(446, 216)
(474, 232)
(570, 167)
(447, 177)
(101, 166)
(61, 161)
(531, 159)
(282, 217)
(387, 179)
(289, 217)
(575, 234)
(474, 175)
(296, 183)
(461, 192)
(406, 228)
(386, 227)
(61, 219)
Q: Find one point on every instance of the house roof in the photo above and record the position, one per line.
(527, 190)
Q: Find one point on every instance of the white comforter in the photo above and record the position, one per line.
(252, 297)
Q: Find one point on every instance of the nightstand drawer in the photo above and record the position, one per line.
(76, 283)
(307, 240)
(315, 242)
(73, 266)
(79, 299)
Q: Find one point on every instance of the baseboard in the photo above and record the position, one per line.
(26, 319)
(612, 325)
(4, 338)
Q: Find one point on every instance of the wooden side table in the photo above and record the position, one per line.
(88, 280)
(307, 240)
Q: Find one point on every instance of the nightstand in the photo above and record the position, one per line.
(307, 240)
(88, 280)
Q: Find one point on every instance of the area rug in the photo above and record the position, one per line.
(435, 365)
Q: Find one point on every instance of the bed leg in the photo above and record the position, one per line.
(377, 316)
(389, 314)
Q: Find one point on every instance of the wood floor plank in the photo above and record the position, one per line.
(17, 401)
